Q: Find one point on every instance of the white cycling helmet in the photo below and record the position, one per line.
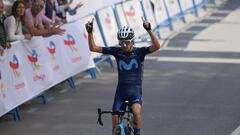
(125, 33)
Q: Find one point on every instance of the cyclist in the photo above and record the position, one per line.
(130, 68)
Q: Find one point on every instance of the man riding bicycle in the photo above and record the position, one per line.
(130, 69)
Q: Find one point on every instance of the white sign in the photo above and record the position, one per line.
(186, 4)
(109, 25)
(133, 12)
(96, 33)
(197, 2)
(121, 19)
(173, 7)
(160, 11)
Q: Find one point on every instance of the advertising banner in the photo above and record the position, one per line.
(133, 12)
(197, 2)
(186, 4)
(160, 11)
(109, 25)
(120, 15)
(31, 67)
(173, 7)
(96, 33)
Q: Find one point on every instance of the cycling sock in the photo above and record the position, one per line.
(136, 131)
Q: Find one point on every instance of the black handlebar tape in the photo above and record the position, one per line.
(100, 116)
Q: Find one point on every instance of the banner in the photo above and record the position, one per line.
(76, 49)
(109, 25)
(35, 57)
(186, 4)
(133, 12)
(31, 67)
(56, 59)
(198, 2)
(173, 7)
(160, 11)
(16, 69)
(121, 19)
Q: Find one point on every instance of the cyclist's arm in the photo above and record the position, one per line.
(155, 43)
(92, 46)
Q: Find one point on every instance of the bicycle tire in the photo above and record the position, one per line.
(119, 130)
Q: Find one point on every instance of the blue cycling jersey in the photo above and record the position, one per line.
(130, 64)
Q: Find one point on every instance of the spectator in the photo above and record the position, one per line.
(13, 23)
(34, 21)
(41, 16)
(63, 6)
(27, 3)
(3, 40)
(51, 13)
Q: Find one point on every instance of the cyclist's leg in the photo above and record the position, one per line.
(136, 101)
(118, 105)
(136, 107)
(114, 121)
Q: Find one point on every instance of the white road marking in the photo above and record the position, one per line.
(200, 60)
(236, 131)
(195, 60)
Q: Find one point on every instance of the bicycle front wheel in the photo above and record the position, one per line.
(119, 130)
(130, 126)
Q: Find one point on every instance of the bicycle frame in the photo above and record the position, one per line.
(124, 122)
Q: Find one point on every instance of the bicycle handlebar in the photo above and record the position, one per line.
(100, 112)
(100, 117)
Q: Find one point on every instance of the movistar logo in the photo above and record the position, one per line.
(123, 65)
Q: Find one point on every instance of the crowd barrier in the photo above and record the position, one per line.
(31, 67)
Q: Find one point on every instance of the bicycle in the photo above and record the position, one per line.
(125, 120)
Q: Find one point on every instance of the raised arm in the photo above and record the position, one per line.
(155, 43)
(92, 46)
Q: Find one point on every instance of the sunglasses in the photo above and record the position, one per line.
(38, 6)
(124, 42)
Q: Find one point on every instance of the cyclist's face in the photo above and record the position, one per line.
(126, 45)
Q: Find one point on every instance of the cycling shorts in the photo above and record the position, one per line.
(126, 92)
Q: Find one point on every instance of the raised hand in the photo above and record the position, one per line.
(79, 5)
(89, 26)
(146, 24)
